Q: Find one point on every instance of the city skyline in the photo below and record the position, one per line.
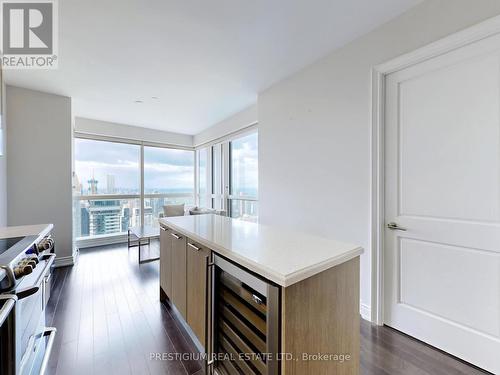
(107, 168)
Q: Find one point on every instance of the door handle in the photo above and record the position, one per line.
(394, 226)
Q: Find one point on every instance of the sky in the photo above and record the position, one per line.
(164, 168)
(245, 167)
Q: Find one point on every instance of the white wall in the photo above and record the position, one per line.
(314, 129)
(3, 159)
(39, 162)
(232, 124)
(110, 129)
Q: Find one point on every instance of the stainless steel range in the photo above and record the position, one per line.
(25, 274)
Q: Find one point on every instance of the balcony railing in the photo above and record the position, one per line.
(103, 219)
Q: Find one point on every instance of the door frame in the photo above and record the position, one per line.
(457, 40)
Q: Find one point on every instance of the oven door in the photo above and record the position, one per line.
(33, 339)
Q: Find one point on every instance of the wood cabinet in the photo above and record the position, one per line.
(183, 278)
(166, 261)
(178, 272)
(197, 258)
(319, 314)
(326, 307)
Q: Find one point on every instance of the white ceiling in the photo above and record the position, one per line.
(204, 60)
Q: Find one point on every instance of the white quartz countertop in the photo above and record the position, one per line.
(282, 256)
(40, 230)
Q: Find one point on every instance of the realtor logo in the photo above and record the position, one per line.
(29, 34)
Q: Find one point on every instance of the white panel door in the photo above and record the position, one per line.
(442, 184)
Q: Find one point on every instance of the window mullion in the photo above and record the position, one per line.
(225, 177)
(142, 183)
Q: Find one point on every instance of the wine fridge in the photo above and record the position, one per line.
(245, 322)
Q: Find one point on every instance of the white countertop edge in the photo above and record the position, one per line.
(40, 230)
(320, 267)
(282, 280)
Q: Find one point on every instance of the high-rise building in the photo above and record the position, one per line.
(92, 186)
(77, 191)
(125, 218)
(85, 221)
(104, 217)
(110, 184)
(148, 215)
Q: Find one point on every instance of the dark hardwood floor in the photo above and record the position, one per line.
(110, 321)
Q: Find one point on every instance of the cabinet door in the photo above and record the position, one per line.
(179, 272)
(166, 261)
(197, 256)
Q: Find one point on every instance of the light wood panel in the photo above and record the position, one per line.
(179, 287)
(196, 289)
(321, 315)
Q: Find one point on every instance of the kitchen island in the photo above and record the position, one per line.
(248, 288)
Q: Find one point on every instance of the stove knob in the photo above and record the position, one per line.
(34, 258)
(21, 271)
(31, 263)
(36, 249)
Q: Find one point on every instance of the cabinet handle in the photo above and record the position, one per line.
(194, 247)
(175, 236)
(163, 229)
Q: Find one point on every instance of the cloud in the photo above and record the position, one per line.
(164, 168)
(245, 173)
(156, 155)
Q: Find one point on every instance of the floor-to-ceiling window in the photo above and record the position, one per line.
(244, 177)
(168, 179)
(227, 176)
(117, 185)
(106, 188)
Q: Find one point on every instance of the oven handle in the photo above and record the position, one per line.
(47, 267)
(30, 290)
(51, 332)
(7, 307)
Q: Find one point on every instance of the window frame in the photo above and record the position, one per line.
(102, 239)
(220, 186)
(163, 195)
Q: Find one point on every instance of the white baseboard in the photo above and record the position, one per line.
(66, 261)
(366, 311)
